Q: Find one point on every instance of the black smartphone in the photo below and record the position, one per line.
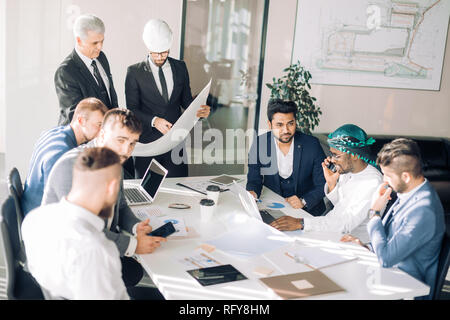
(164, 231)
(331, 166)
(215, 275)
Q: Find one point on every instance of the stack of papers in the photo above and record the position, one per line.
(320, 257)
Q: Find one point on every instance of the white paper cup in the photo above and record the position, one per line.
(207, 207)
(213, 192)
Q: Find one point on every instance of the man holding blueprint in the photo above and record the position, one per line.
(157, 89)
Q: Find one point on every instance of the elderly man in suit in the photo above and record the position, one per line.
(85, 72)
(157, 89)
(409, 235)
(287, 161)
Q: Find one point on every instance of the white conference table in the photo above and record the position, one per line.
(362, 278)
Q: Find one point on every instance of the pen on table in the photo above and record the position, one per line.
(182, 185)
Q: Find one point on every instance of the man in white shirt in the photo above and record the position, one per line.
(120, 132)
(349, 188)
(67, 250)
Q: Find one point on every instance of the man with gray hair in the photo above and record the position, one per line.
(85, 72)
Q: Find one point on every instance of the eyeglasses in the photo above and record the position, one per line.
(337, 156)
(159, 54)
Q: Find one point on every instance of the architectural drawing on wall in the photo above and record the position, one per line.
(381, 43)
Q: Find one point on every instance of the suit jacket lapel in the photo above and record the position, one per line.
(86, 73)
(151, 80)
(297, 159)
(175, 76)
(274, 161)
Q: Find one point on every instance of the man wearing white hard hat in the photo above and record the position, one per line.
(157, 90)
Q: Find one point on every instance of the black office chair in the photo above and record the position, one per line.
(20, 285)
(443, 265)
(16, 191)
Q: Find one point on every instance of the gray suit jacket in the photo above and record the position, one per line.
(60, 182)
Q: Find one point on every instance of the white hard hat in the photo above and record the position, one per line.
(157, 36)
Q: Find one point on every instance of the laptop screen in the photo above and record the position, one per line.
(153, 178)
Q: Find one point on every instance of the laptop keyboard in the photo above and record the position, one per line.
(135, 196)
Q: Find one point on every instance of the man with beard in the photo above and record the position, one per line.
(287, 161)
(120, 132)
(349, 189)
(68, 254)
(157, 90)
(409, 235)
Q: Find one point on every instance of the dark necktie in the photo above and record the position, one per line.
(165, 95)
(100, 82)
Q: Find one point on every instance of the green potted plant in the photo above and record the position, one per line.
(294, 86)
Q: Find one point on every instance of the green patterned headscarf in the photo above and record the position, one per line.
(353, 140)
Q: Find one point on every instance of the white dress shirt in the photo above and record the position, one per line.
(285, 162)
(88, 62)
(351, 198)
(70, 256)
(168, 75)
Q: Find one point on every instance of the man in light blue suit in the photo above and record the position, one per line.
(409, 235)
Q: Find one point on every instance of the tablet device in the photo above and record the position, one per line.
(224, 179)
(215, 275)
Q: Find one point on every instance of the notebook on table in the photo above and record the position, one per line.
(146, 191)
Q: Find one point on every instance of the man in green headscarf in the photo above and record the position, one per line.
(349, 188)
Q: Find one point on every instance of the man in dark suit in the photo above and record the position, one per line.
(157, 89)
(85, 72)
(287, 161)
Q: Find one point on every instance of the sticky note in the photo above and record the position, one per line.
(302, 284)
(262, 271)
(207, 247)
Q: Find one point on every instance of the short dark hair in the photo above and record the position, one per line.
(125, 117)
(92, 159)
(88, 105)
(282, 106)
(403, 155)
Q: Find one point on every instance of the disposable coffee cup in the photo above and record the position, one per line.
(213, 192)
(206, 209)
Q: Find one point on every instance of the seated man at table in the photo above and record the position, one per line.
(409, 235)
(68, 254)
(287, 161)
(120, 132)
(349, 189)
(52, 144)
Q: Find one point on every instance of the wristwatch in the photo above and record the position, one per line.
(373, 213)
(302, 223)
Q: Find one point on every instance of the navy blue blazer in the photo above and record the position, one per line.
(307, 169)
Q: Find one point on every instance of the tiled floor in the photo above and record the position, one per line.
(146, 281)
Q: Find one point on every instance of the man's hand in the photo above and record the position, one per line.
(287, 223)
(204, 111)
(253, 193)
(384, 194)
(350, 238)
(162, 125)
(295, 202)
(145, 243)
(330, 176)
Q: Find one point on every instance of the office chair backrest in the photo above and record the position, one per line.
(7, 252)
(16, 191)
(443, 265)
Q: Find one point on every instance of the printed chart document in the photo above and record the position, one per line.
(198, 258)
(178, 132)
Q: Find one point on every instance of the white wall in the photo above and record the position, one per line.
(377, 110)
(2, 76)
(39, 37)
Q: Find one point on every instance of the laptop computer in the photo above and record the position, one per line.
(249, 204)
(145, 193)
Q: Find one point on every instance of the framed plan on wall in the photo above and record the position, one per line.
(377, 43)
